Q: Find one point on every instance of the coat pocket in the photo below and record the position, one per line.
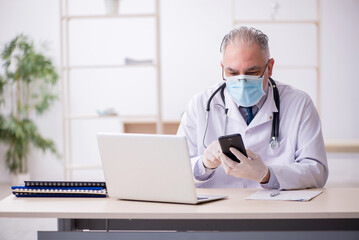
(284, 153)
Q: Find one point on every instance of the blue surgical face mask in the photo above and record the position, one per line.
(246, 90)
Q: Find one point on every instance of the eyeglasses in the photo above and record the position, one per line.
(260, 76)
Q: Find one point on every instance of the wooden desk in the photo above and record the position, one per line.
(333, 214)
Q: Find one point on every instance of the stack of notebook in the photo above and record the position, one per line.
(60, 189)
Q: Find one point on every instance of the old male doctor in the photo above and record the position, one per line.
(248, 107)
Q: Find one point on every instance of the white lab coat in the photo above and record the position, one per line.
(299, 162)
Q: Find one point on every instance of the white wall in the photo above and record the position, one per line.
(340, 37)
(191, 33)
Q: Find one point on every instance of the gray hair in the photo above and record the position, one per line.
(247, 36)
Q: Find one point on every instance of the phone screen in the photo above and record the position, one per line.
(234, 140)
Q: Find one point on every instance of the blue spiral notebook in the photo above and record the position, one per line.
(60, 190)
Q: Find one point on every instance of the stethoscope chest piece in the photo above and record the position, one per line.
(274, 143)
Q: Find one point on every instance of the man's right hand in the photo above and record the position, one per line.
(211, 155)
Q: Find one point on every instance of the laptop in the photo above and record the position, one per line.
(148, 167)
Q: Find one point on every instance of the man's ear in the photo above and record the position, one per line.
(270, 67)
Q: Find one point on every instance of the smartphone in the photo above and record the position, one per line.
(233, 140)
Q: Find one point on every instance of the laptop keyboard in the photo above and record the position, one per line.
(202, 198)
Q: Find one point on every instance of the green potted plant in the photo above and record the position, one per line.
(27, 81)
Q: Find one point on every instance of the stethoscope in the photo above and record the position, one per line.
(274, 141)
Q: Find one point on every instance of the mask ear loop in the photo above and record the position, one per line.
(265, 68)
(223, 75)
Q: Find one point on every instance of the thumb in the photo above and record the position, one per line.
(238, 154)
(252, 155)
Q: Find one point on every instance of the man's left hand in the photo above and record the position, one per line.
(250, 168)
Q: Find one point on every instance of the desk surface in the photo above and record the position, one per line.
(333, 203)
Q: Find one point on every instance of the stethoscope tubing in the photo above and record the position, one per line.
(274, 141)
